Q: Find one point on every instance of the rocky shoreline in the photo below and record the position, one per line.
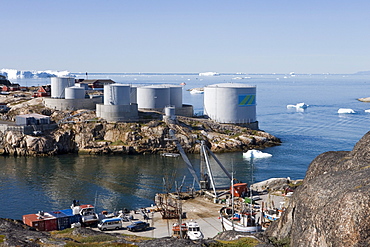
(81, 132)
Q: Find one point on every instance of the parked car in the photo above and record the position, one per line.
(138, 226)
(110, 224)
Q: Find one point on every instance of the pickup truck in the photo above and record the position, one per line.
(138, 226)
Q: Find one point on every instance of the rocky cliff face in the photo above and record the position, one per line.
(331, 208)
(96, 137)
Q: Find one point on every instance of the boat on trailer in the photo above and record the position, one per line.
(241, 222)
(87, 212)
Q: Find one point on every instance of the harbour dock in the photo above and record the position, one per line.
(200, 209)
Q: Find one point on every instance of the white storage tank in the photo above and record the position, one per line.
(133, 95)
(230, 103)
(75, 92)
(170, 112)
(117, 94)
(59, 84)
(153, 97)
(176, 96)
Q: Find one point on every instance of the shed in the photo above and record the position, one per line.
(32, 119)
(97, 83)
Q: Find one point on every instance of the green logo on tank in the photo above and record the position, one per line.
(247, 99)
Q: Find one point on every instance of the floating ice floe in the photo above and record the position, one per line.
(197, 91)
(253, 153)
(299, 105)
(368, 111)
(345, 111)
(209, 74)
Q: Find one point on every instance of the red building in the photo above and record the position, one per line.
(11, 87)
(43, 91)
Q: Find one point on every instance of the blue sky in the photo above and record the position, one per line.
(261, 36)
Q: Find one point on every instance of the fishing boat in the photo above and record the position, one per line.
(272, 215)
(87, 212)
(173, 155)
(190, 230)
(241, 222)
(194, 232)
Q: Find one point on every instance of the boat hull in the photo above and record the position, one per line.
(228, 225)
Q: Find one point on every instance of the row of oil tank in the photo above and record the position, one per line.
(224, 102)
(147, 97)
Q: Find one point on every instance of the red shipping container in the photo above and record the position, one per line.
(44, 222)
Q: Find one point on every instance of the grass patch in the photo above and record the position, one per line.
(66, 231)
(242, 242)
(2, 237)
(99, 244)
(134, 238)
(295, 185)
(97, 239)
(285, 242)
(101, 141)
(117, 143)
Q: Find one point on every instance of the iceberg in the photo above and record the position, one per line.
(253, 153)
(197, 91)
(299, 105)
(291, 106)
(22, 74)
(368, 111)
(209, 74)
(345, 111)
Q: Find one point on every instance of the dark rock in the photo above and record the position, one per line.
(18, 234)
(331, 207)
(174, 242)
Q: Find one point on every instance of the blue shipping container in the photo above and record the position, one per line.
(64, 221)
(74, 218)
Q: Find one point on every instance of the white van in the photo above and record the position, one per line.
(110, 224)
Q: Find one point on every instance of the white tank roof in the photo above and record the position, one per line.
(77, 87)
(156, 86)
(231, 85)
(171, 85)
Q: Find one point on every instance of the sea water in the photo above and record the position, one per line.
(31, 184)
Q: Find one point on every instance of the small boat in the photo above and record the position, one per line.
(179, 231)
(241, 222)
(87, 212)
(190, 230)
(174, 155)
(194, 232)
(272, 215)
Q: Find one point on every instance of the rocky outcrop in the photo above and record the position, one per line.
(332, 206)
(82, 135)
(367, 99)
